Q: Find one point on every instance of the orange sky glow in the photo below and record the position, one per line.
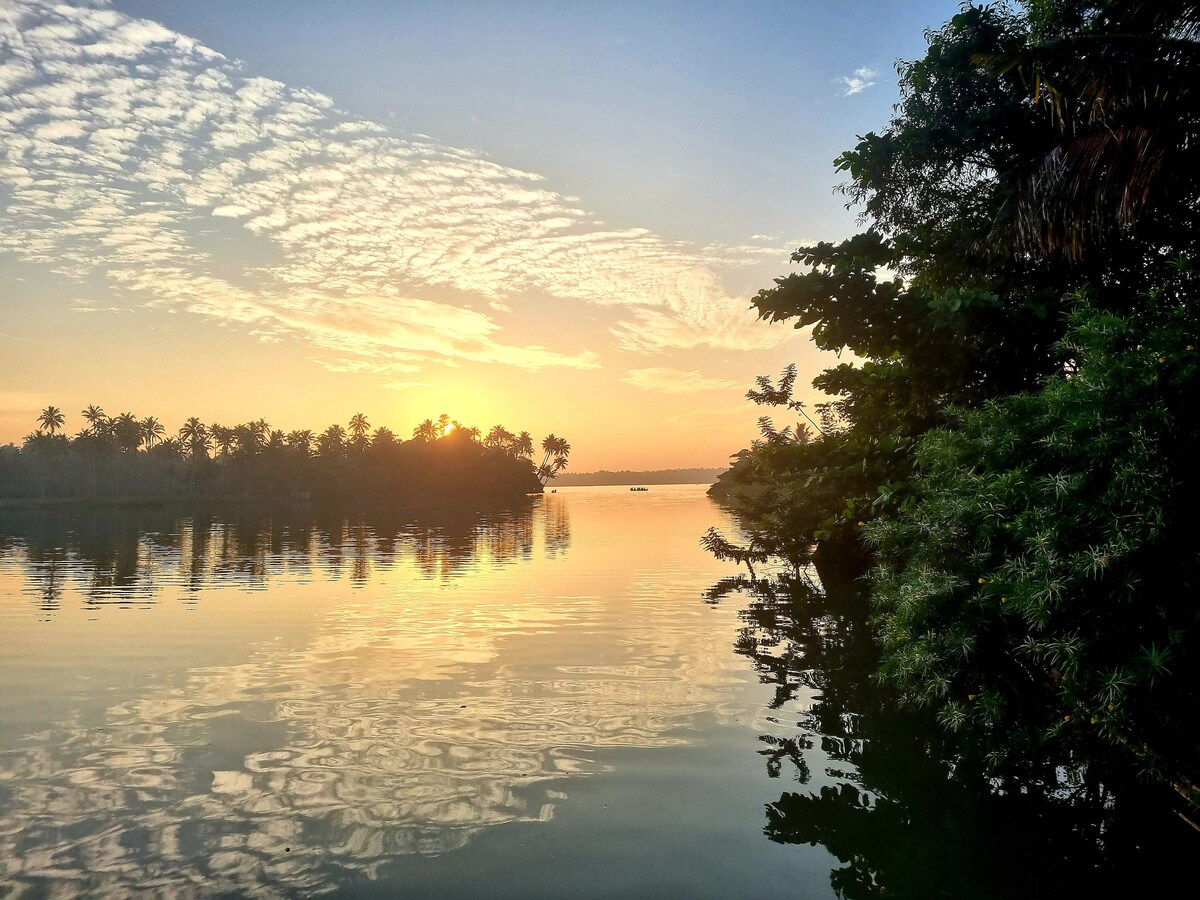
(184, 237)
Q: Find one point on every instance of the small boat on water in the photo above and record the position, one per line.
(639, 489)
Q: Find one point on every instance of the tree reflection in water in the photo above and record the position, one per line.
(906, 812)
(118, 556)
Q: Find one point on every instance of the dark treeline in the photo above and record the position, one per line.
(1009, 461)
(123, 458)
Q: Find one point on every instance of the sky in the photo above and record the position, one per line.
(546, 215)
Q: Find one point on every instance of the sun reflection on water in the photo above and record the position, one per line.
(451, 677)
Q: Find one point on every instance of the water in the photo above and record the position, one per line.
(552, 701)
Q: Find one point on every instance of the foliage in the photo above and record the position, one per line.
(126, 457)
(1013, 433)
(895, 802)
(1038, 591)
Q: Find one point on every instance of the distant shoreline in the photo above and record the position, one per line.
(657, 476)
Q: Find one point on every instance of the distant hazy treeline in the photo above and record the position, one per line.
(123, 458)
(625, 476)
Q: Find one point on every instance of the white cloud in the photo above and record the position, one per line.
(675, 381)
(122, 143)
(863, 78)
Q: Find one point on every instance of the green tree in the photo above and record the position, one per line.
(1037, 592)
(1013, 435)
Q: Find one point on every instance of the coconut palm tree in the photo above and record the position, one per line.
(223, 437)
(332, 441)
(557, 450)
(1123, 88)
(359, 425)
(301, 441)
(383, 437)
(51, 419)
(152, 431)
(523, 445)
(549, 445)
(127, 429)
(95, 418)
(196, 437)
(498, 437)
(259, 432)
(426, 431)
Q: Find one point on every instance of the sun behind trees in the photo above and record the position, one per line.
(123, 458)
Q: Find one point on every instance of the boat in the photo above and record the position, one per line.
(639, 489)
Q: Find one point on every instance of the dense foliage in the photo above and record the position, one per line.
(1009, 450)
(124, 458)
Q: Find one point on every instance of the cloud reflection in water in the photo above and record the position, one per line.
(447, 690)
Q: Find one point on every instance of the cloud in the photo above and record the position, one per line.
(675, 381)
(136, 155)
(862, 79)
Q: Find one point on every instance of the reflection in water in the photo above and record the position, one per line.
(429, 701)
(904, 812)
(117, 556)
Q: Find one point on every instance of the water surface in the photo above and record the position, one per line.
(550, 701)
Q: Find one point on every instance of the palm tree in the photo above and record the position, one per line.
(549, 445)
(95, 418)
(523, 445)
(332, 441)
(259, 431)
(426, 431)
(195, 435)
(498, 437)
(1122, 89)
(152, 431)
(383, 437)
(359, 425)
(171, 448)
(51, 419)
(223, 437)
(128, 431)
(557, 450)
(301, 441)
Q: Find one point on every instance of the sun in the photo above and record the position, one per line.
(449, 428)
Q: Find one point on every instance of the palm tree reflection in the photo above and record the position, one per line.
(126, 556)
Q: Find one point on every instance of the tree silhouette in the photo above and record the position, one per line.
(196, 437)
(95, 418)
(301, 440)
(127, 429)
(51, 419)
(426, 431)
(152, 431)
(555, 460)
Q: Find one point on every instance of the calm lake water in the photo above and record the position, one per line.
(571, 699)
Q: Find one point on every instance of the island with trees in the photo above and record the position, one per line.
(1008, 465)
(123, 459)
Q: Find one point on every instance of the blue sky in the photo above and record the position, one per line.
(710, 121)
(546, 215)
